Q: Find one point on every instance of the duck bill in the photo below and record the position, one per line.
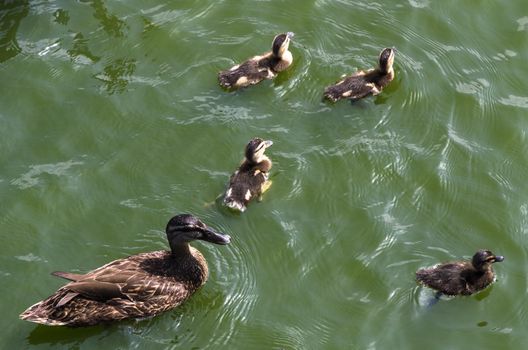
(210, 235)
(498, 258)
(268, 143)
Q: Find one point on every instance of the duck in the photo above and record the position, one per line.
(461, 277)
(139, 286)
(251, 179)
(364, 83)
(258, 68)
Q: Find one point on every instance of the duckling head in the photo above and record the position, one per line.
(386, 59)
(185, 228)
(255, 149)
(281, 43)
(484, 258)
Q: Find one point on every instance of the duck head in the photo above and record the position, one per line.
(484, 258)
(386, 59)
(185, 228)
(255, 149)
(281, 43)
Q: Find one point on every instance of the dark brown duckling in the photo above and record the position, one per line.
(251, 178)
(361, 83)
(139, 286)
(258, 68)
(461, 277)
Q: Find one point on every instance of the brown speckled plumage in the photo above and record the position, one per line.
(250, 180)
(258, 68)
(361, 83)
(139, 286)
(461, 277)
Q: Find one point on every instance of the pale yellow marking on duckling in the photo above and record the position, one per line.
(208, 204)
(241, 81)
(256, 58)
(265, 186)
(234, 67)
(248, 195)
(287, 57)
(375, 90)
(347, 93)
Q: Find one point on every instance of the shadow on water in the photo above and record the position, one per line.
(115, 75)
(80, 48)
(111, 23)
(11, 14)
(61, 16)
(62, 335)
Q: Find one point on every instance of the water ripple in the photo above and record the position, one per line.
(32, 177)
(241, 294)
(516, 101)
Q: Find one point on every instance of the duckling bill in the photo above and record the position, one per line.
(364, 83)
(250, 180)
(138, 286)
(461, 277)
(258, 68)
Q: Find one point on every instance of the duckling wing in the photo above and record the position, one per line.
(248, 73)
(446, 278)
(243, 186)
(353, 87)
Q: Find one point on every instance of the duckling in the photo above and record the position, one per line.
(251, 178)
(258, 68)
(461, 277)
(138, 286)
(361, 83)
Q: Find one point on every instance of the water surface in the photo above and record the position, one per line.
(112, 122)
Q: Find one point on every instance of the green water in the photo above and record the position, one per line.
(112, 121)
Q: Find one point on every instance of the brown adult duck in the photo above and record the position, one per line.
(364, 83)
(258, 68)
(139, 286)
(461, 277)
(250, 180)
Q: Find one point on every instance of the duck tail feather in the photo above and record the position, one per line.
(234, 205)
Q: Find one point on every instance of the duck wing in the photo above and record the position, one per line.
(97, 290)
(124, 279)
(68, 275)
(138, 286)
(91, 289)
